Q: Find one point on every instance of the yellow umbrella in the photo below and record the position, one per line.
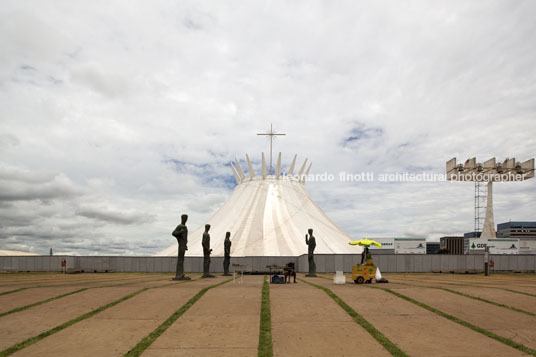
(365, 242)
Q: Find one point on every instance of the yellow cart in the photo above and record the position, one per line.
(364, 273)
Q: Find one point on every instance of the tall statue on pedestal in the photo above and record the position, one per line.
(227, 256)
(206, 253)
(311, 242)
(181, 233)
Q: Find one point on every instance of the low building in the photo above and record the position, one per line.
(454, 245)
(517, 230)
(432, 247)
(472, 235)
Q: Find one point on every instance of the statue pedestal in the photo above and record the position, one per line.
(182, 278)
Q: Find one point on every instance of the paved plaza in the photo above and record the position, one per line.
(118, 314)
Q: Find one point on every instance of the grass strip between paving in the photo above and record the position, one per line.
(378, 336)
(124, 280)
(71, 293)
(489, 302)
(32, 340)
(518, 292)
(265, 332)
(473, 297)
(12, 291)
(467, 285)
(129, 282)
(41, 302)
(490, 334)
(149, 339)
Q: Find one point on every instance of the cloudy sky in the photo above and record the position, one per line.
(116, 117)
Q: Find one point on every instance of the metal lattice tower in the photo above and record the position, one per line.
(481, 192)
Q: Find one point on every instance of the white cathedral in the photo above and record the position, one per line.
(269, 215)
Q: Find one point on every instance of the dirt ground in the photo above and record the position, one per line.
(119, 328)
(413, 328)
(225, 322)
(305, 320)
(511, 324)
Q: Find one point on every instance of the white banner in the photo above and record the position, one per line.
(527, 246)
(387, 243)
(477, 244)
(410, 245)
(503, 246)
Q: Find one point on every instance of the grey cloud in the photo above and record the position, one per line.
(8, 140)
(98, 79)
(8, 173)
(206, 203)
(16, 218)
(19, 185)
(25, 34)
(117, 217)
(356, 87)
(35, 232)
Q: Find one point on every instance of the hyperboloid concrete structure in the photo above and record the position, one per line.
(268, 215)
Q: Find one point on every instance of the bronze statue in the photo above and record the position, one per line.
(311, 242)
(227, 254)
(181, 233)
(206, 253)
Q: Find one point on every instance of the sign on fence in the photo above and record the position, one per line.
(503, 246)
(410, 245)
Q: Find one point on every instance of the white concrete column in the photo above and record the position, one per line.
(488, 230)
